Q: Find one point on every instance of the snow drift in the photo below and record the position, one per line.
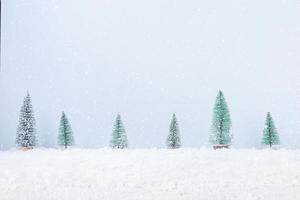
(188, 174)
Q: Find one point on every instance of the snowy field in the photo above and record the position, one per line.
(188, 174)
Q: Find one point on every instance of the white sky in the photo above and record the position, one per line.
(148, 59)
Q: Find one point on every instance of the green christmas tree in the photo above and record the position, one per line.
(65, 136)
(270, 134)
(119, 137)
(173, 139)
(26, 132)
(221, 125)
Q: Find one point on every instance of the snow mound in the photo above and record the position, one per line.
(187, 174)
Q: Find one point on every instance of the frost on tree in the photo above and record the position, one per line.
(173, 140)
(65, 136)
(119, 137)
(270, 134)
(221, 135)
(26, 132)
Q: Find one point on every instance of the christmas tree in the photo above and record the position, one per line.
(270, 134)
(119, 137)
(173, 140)
(26, 132)
(65, 136)
(221, 125)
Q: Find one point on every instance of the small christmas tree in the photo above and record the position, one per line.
(173, 140)
(270, 134)
(119, 137)
(26, 132)
(65, 136)
(221, 126)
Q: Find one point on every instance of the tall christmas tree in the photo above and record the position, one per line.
(270, 134)
(65, 136)
(221, 125)
(119, 137)
(173, 139)
(26, 132)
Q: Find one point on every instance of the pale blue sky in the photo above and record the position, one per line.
(148, 59)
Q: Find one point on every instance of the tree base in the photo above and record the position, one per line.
(221, 146)
(25, 148)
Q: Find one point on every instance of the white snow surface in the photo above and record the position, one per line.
(154, 174)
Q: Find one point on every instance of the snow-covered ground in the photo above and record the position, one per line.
(188, 174)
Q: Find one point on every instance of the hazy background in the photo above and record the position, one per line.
(146, 60)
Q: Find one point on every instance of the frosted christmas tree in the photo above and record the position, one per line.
(270, 134)
(65, 136)
(221, 135)
(119, 137)
(26, 132)
(173, 140)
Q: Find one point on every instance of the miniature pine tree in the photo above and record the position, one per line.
(119, 137)
(65, 136)
(173, 140)
(221, 125)
(270, 134)
(26, 132)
